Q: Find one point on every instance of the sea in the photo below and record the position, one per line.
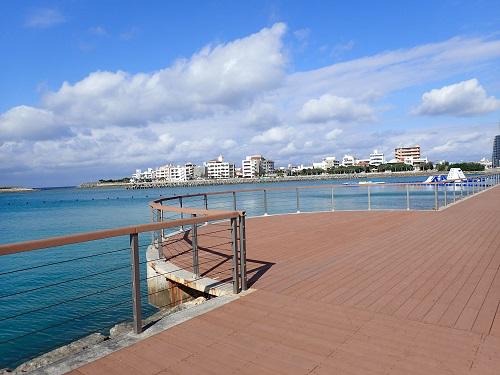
(51, 297)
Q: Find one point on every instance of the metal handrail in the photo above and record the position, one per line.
(198, 217)
(18, 247)
(154, 203)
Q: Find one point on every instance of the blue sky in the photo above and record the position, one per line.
(95, 89)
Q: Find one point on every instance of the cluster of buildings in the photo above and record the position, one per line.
(257, 166)
(407, 155)
(218, 169)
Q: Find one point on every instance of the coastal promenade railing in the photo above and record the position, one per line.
(331, 197)
(56, 290)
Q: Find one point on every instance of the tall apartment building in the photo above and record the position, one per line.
(495, 158)
(255, 166)
(219, 169)
(404, 153)
(376, 158)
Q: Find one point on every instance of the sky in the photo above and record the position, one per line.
(95, 89)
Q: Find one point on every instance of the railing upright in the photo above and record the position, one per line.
(407, 197)
(297, 199)
(333, 202)
(194, 244)
(182, 214)
(369, 199)
(234, 243)
(436, 200)
(234, 200)
(445, 194)
(136, 282)
(243, 250)
(265, 202)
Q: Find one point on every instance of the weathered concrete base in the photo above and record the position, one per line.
(169, 284)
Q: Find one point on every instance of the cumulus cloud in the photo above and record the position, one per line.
(29, 123)
(331, 107)
(235, 98)
(217, 77)
(44, 18)
(273, 135)
(333, 134)
(467, 98)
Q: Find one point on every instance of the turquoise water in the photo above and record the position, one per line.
(45, 305)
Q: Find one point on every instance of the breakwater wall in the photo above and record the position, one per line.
(264, 180)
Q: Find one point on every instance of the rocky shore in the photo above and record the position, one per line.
(88, 342)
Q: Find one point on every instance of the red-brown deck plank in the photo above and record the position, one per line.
(347, 293)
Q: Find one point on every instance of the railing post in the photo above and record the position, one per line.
(136, 282)
(436, 201)
(369, 199)
(194, 243)
(205, 198)
(332, 202)
(243, 252)
(235, 255)
(407, 197)
(454, 191)
(445, 194)
(265, 202)
(234, 200)
(298, 199)
(182, 214)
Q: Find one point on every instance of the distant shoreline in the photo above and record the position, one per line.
(262, 180)
(16, 190)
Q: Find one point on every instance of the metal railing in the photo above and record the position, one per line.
(71, 280)
(330, 197)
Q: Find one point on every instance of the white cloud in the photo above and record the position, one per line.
(98, 30)
(218, 77)
(235, 98)
(29, 123)
(467, 98)
(44, 18)
(273, 135)
(333, 134)
(330, 107)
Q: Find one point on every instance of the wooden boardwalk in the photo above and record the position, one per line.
(349, 293)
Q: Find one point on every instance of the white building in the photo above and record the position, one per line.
(139, 175)
(349, 160)
(255, 166)
(377, 158)
(327, 163)
(487, 163)
(171, 172)
(166, 172)
(219, 169)
(414, 161)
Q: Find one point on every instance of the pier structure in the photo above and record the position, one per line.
(357, 292)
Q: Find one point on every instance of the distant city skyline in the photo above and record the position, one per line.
(92, 90)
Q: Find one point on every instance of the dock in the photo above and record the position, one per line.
(348, 293)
